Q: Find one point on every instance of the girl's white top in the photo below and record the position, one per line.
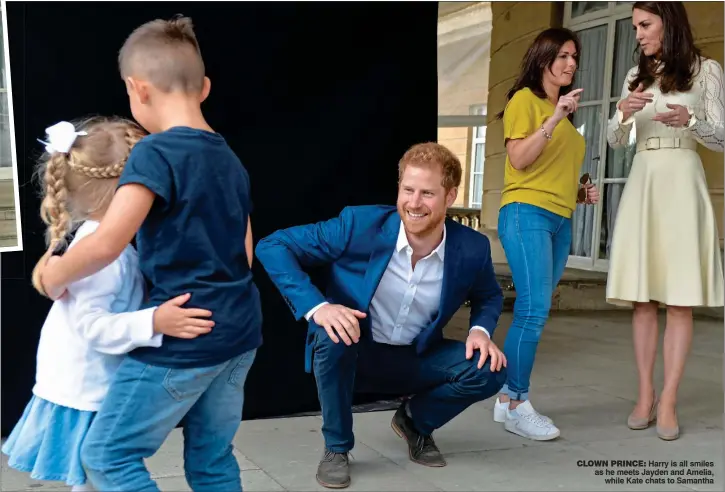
(87, 332)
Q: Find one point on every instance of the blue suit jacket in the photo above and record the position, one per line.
(357, 246)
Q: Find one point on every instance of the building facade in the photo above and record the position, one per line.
(608, 45)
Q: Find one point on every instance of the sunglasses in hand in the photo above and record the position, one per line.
(581, 196)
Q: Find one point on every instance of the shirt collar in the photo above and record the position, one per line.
(403, 243)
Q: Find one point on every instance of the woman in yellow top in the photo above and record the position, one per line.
(541, 190)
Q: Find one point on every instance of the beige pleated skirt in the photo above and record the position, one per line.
(665, 244)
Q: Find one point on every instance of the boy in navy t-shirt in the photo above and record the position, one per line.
(185, 195)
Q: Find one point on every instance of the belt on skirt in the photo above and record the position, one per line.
(656, 143)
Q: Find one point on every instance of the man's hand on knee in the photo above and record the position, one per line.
(478, 340)
(338, 320)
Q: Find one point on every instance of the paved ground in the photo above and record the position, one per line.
(584, 379)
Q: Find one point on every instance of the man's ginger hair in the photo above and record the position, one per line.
(431, 154)
(166, 54)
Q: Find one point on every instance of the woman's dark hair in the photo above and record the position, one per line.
(540, 56)
(679, 55)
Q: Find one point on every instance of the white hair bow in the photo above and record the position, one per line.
(61, 137)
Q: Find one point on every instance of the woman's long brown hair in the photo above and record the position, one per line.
(679, 56)
(539, 57)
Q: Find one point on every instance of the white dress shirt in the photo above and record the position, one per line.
(87, 332)
(406, 299)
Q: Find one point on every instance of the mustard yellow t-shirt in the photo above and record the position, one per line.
(552, 181)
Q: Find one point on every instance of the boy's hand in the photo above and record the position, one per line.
(175, 321)
(40, 270)
(54, 293)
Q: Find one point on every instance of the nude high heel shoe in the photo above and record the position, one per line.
(668, 434)
(639, 423)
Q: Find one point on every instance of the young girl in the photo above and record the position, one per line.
(87, 331)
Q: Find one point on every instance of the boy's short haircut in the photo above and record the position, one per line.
(166, 54)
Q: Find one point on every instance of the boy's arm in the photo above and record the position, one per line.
(249, 243)
(127, 211)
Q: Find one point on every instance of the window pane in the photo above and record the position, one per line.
(619, 161)
(5, 153)
(479, 155)
(6, 156)
(477, 194)
(590, 74)
(2, 54)
(464, 52)
(587, 122)
(582, 225)
(624, 44)
(581, 8)
(611, 194)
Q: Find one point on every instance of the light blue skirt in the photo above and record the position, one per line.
(46, 442)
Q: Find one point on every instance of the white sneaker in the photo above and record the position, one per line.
(499, 412)
(527, 422)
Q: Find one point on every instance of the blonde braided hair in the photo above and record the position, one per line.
(80, 184)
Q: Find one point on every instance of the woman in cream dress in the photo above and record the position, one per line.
(665, 246)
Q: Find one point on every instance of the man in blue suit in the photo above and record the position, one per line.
(397, 275)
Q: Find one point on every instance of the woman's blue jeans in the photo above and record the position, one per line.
(537, 244)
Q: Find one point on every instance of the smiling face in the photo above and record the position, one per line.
(429, 175)
(562, 70)
(649, 30)
(423, 200)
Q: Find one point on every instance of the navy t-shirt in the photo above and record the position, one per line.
(193, 241)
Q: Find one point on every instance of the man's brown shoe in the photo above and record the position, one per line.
(422, 449)
(333, 471)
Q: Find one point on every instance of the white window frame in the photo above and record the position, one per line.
(608, 17)
(478, 110)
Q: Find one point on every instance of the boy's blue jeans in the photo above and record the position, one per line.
(537, 244)
(145, 403)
